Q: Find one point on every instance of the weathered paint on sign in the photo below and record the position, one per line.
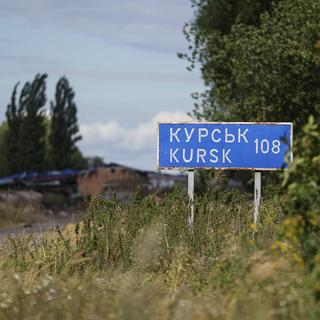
(239, 146)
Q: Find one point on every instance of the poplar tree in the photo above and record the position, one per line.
(25, 138)
(4, 169)
(64, 130)
(12, 136)
(33, 131)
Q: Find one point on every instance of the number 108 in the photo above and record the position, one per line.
(263, 146)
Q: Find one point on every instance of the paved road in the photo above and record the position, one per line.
(35, 228)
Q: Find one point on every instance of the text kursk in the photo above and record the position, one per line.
(201, 155)
(201, 134)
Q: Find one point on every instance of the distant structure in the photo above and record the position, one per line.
(124, 181)
(160, 181)
(62, 181)
(111, 179)
(104, 181)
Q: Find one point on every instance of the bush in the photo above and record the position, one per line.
(301, 185)
(143, 261)
(302, 188)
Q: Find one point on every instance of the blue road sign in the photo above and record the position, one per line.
(250, 146)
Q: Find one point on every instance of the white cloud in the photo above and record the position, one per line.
(132, 146)
(141, 137)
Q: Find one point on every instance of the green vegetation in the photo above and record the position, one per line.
(25, 138)
(11, 216)
(142, 261)
(64, 127)
(301, 229)
(95, 161)
(3, 161)
(259, 59)
(29, 140)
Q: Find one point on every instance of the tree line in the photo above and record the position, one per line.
(30, 139)
(260, 59)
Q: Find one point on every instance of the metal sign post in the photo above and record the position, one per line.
(191, 196)
(257, 195)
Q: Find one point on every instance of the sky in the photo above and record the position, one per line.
(120, 58)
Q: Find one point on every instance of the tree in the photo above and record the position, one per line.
(33, 131)
(14, 116)
(4, 165)
(78, 161)
(301, 187)
(261, 64)
(95, 161)
(221, 15)
(64, 128)
(25, 138)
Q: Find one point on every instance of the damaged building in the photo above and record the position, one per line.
(124, 181)
(112, 179)
(104, 181)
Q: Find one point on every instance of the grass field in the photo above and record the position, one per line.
(142, 261)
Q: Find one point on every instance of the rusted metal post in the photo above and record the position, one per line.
(191, 196)
(257, 195)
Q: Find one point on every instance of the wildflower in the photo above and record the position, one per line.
(16, 277)
(298, 260)
(254, 227)
(280, 245)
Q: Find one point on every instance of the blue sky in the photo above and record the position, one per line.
(121, 59)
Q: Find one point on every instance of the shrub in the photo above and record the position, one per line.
(302, 187)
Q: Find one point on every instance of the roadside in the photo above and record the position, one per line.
(34, 228)
(30, 212)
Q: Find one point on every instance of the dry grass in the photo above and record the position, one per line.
(11, 215)
(141, 261)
